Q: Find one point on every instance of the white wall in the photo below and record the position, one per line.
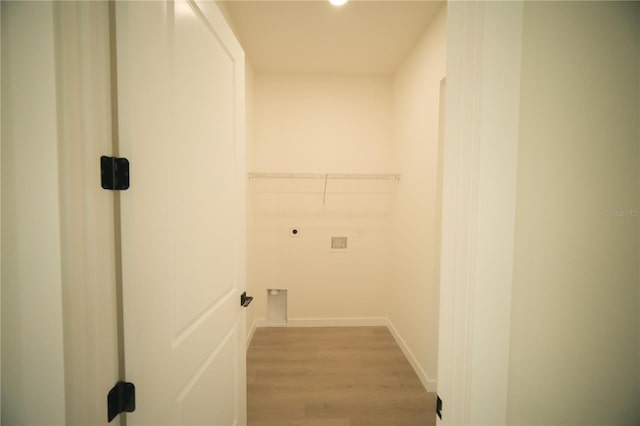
(574, 341)
(86, 210)
(33, 382)
(58, 277)
(321, 124)
(413, 296)
(573, 344)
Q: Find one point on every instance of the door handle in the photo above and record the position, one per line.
(245, 300)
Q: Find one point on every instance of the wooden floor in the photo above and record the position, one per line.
(343, 376)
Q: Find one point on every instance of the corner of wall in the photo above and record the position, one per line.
(431, 385)
(416, 105)
(224, 9)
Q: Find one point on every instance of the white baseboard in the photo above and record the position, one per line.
(261, 322)
(251, 333)
(337, 322)
(326, 322)
(429, 385)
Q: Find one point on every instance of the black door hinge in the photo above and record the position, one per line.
(114, 173)
(439, 407)
(121, 398)
(245, 300)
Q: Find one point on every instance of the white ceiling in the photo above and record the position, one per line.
(371, 37)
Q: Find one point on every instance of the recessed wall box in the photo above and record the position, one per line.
(338, 243)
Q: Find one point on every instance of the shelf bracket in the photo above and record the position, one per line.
(324, 193)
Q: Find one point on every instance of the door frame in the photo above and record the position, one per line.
(484, 42)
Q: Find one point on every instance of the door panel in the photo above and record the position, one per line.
(180, 90)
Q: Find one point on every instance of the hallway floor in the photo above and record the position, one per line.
(338, 376)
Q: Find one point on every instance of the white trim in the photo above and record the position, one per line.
(429, 384)
(262, 323)
(336, 322)
(478, 209)
(327, 322)
(498, 135)
(458, 209)
(251, 333)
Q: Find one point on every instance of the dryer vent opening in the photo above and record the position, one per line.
(277, 306)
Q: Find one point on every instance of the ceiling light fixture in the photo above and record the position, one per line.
(337, 2)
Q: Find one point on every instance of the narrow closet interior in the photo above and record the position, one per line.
(343, 134)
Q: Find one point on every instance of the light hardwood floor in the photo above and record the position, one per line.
(338, 376)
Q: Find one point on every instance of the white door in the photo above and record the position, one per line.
(181, 119)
